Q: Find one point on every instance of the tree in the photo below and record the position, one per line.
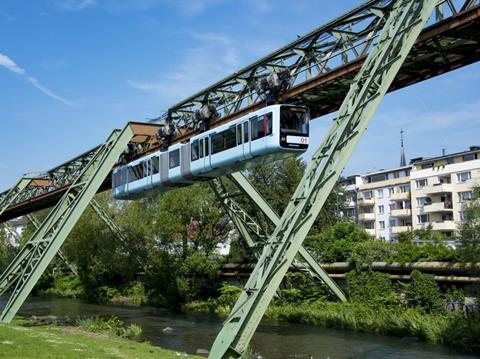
(190, 215)
(469, 229)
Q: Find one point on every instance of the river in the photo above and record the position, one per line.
(272, 339)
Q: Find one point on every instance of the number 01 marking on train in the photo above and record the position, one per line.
(297, 140)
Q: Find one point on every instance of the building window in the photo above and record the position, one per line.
(427, 165)
(369, 225)
(423, 201)
(391, 191)
(450, 160)
(469, 157)
(461, 215)
(381, 224)
(464, 176)
(367, 194)
(405, 188)
(380, 193)
(378, 178)
(393, 223)
(421, 183)
(381, 209)
(423, 218)
(465, 196)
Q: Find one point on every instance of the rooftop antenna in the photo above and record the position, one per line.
(403, 162)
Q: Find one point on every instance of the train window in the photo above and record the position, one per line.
(207, 146)
(195, 150)
(258, 131)
(147, 168)
(267, 123)
(230, 138)
(174, 158)
(294, 120)
(201, 148)
(156, 164)
(217, 143)
(239, 134)
(245, 132)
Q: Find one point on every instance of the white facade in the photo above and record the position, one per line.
(430, 193)
(442, 187)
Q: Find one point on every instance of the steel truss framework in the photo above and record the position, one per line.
(403, 24)
(246, 225)
(343, 41)
(451, 40)
(27, 267)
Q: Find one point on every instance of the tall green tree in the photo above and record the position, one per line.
(469, 229)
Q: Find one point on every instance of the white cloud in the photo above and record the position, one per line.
(10, 65)
(215, 57)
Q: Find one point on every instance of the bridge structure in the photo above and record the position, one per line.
(347, 65)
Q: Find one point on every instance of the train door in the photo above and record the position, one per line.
(148, 172)
(240, 148)
(246, 140)
(205, 152)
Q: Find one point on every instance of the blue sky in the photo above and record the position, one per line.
(72, 70)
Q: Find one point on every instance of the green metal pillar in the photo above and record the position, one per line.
(27, 267)
(405, 21)
(244, 222)
(72, 267)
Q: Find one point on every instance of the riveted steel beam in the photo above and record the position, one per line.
(404, 23)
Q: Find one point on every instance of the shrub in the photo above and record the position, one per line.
(423, 292)
(371, 288)
(113, 326)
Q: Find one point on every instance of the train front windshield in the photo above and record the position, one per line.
(294, 126)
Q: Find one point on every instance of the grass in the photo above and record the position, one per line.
(30, 342)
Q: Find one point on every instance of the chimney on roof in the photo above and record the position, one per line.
(444, 151)
(403, 161)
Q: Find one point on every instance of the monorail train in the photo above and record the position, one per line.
(271, 133)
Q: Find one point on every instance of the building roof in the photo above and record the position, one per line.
(422, 160)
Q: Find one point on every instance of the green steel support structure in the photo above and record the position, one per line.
(8, 198)
(27, 267)
(404, 22)
(72, 267)
(245, 222)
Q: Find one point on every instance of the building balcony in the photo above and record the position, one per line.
(400, 196)
(407, 212)
(400, 229)
(438, 188)
(366, 201)
(366, 217)
(437, 207)
(440, 226)
(370, 231)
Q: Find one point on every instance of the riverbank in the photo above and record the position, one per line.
(24, 340)
(452, 330)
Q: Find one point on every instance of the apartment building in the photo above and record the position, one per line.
(13, 230)
(431, 192)
(384, 207)
(441, 188)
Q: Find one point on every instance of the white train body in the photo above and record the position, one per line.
(271, 133)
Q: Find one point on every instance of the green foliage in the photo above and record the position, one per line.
(371, 287)
(336, 243)
(66, 286)
(228, 295)
(423, 292)
(469, 229)
(7, 252)
(112, 326)
(198, 277)
(452, 330)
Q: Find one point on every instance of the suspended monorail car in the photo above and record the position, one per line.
(271, 133)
